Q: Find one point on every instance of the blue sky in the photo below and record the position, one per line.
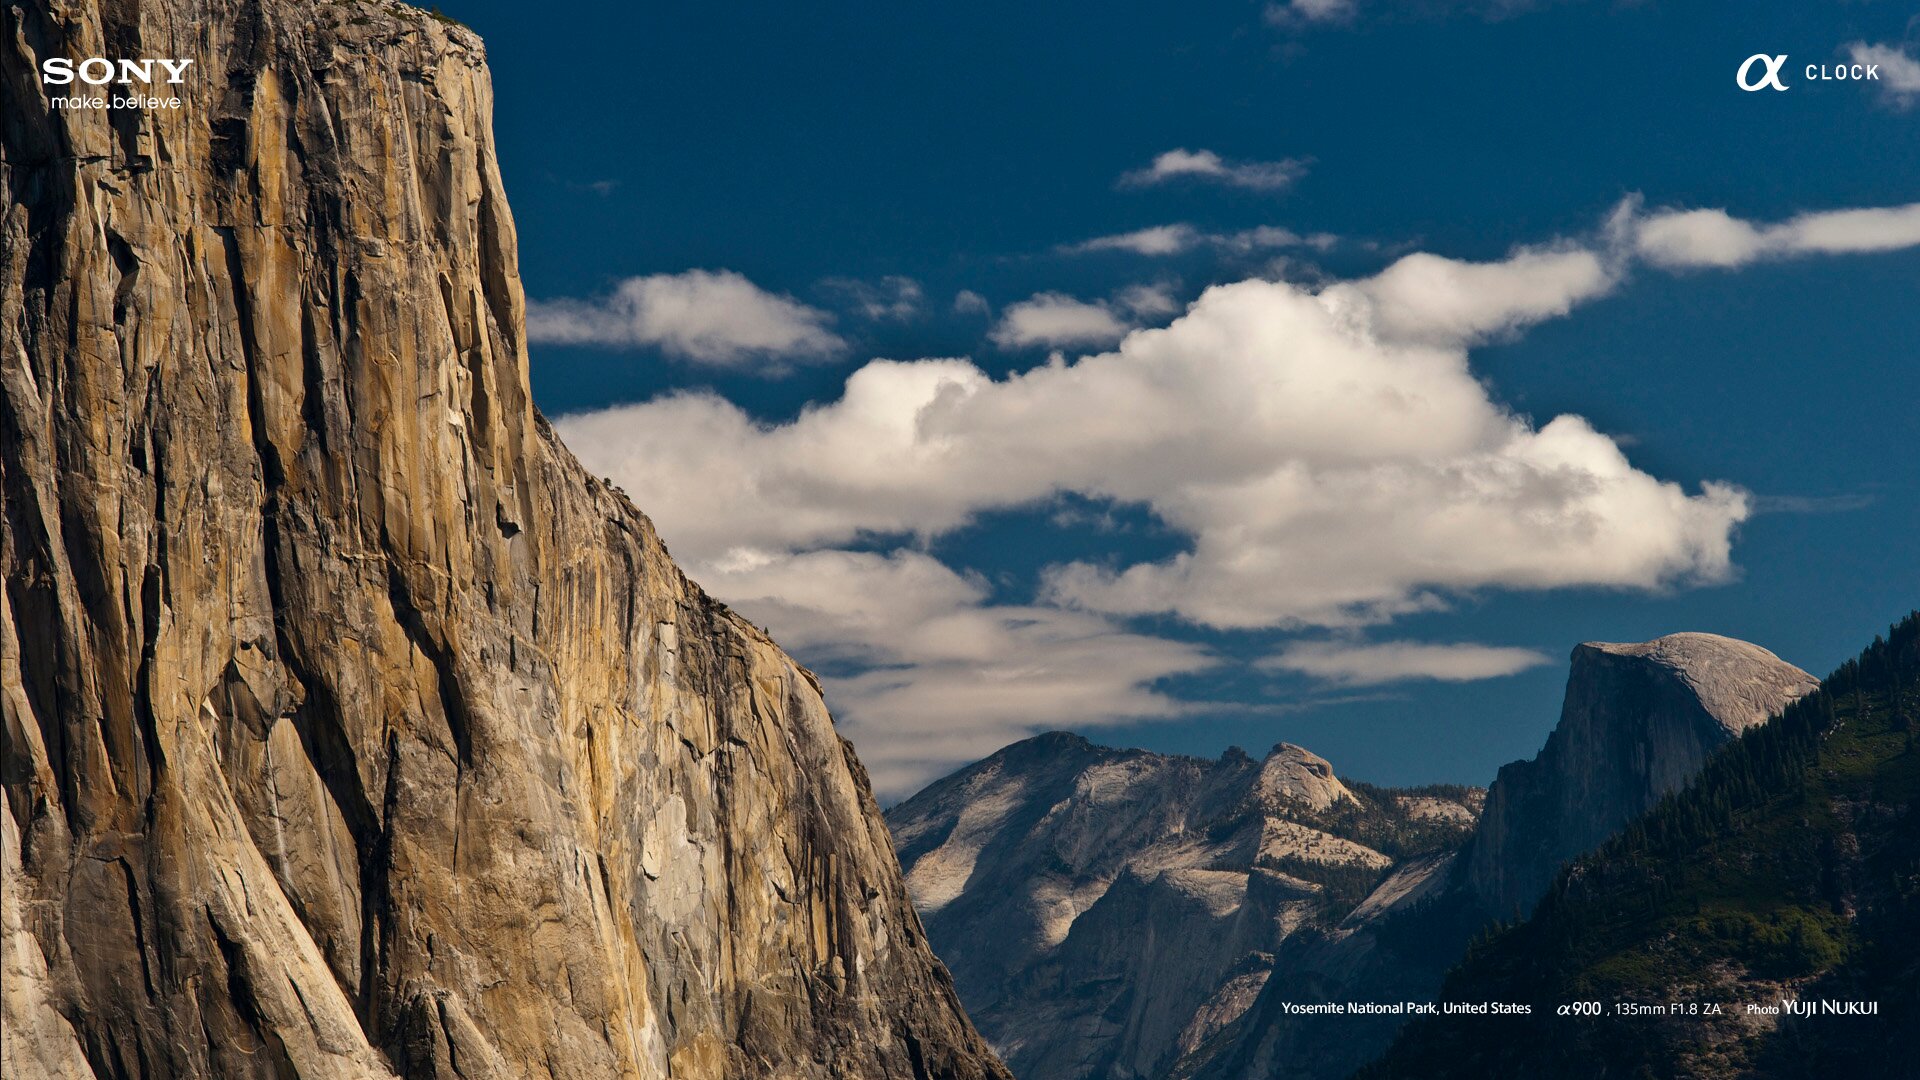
(1484, 217)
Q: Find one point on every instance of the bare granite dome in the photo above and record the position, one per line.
(1737, 682)
(1638, 722)
(1300, 775)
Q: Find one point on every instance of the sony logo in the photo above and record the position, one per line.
(99, 71)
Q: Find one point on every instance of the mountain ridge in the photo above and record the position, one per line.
(1638, 720)
(1134, 898)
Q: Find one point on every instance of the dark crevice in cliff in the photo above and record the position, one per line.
(140, 941)
(377, 931)
(128, 264)
(34, 607)
(230, 143)
(498, 285)
(242, 996)
(143, 680)
(453, 704)
(273, 471)
(124, 765)
(120, 23)
(322, 222)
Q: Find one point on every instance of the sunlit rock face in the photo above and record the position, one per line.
(1639, 721)
(351, 729)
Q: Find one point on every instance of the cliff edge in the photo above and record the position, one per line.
(350, 728)
(1639, 721)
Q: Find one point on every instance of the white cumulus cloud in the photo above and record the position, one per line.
(1056, 319)
(1324, 472)
(1326, 457)
(1430, 298)
(713, 317)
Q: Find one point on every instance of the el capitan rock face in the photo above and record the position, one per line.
(1108, 912)
(351, 730)
(1639, 721)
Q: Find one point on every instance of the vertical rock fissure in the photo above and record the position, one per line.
(451, 690)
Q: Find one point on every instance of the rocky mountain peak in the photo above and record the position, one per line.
(1737, 683)
(1299, 775)
(1133, 899)
(1047, 745)
(1638, 721)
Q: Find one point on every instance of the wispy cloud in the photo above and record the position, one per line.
(1157, 240)
(1296, 12)
(1209, 167)
(945, 675)
(1178, 238)
(1714, 238)
(1053, 319)
(717, 318)
(1148, 301)
(602, 188)
(893, 298)
(1351, 664)
(1899, 73)
(1269, 237)
(1814, 504)
(1307, 14)
(968, 302)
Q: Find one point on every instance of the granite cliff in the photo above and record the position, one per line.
(1639, 721)
(350, 728)
(1787, 871)
(1107, 912)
